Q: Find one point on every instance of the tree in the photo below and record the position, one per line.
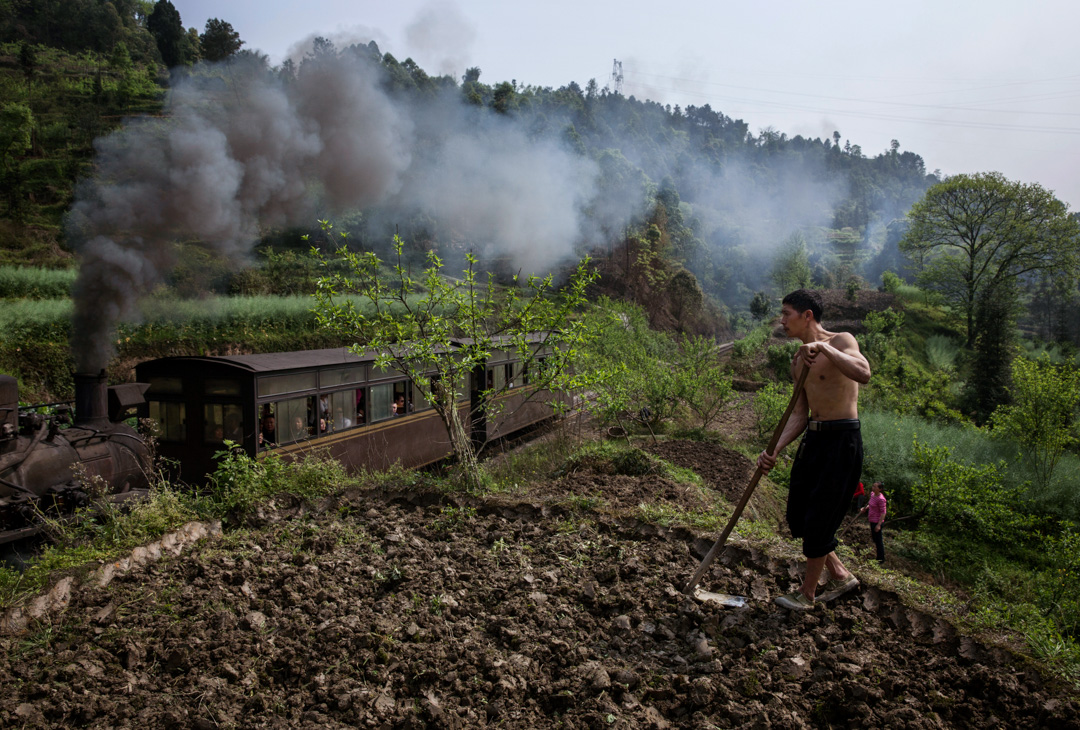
(192, 46)
(28, 62)
(705, 386)
(791, 270)
(978, 233)
(450, 326)
(992, 354)
(761, 306)
(168, 31)
(219, 40)
(1042, 417)
(641, 380)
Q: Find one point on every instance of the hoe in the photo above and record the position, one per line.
(723, 599)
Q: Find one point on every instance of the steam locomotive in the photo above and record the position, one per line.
(45, 467)
(286, 403)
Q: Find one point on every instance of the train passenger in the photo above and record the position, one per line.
(300, 429)
(268, 432)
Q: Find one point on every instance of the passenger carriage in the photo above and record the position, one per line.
(291, 402)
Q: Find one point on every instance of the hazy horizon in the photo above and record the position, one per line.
(971, 92)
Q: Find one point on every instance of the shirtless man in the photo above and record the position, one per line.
(829, 459)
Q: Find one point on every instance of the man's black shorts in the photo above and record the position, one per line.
(823, 480)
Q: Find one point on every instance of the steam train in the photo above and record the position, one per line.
(286, 403)
(46, 460)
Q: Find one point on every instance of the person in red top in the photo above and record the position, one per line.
(875, 512)
(858, 498)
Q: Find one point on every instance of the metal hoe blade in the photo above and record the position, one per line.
(723, 599)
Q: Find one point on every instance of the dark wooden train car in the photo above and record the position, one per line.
(291, 402)
(519, 403)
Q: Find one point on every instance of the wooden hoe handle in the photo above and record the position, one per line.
(689, 589)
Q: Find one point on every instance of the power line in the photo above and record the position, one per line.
(876, 101)
(795, 107)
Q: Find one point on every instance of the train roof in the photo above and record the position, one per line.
(299, 359)
(274, 361)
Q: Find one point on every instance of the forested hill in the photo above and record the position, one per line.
(697, 193)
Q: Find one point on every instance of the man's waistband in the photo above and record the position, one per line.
(841, 424)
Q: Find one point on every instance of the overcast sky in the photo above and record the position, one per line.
(971, 86)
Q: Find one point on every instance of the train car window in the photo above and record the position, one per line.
(496, 378)
(381, 405)
(294, 419)
(223, 421)
(422, 403)
(403, 398)
(508, 374)
(171, 419)
(342, 411)
(165, 386)
(518, 373)
(221, 386)
(361, 406)
(540, 364)
(332, 377)
(278, 384)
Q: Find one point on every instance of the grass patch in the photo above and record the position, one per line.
(31, 282)
(533, 462)
(1022, 592)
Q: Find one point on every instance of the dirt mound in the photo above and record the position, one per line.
(415, 612)
(843, 314)
(722, 469)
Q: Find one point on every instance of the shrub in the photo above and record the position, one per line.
(751, 343)
(241, 481)
(956, 496)
(942, 352)
(851, 289)
(703, 384)
(769, 405)
(890, 282)
(779, 358)
(1042, 416)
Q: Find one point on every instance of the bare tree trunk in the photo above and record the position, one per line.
(461, 442)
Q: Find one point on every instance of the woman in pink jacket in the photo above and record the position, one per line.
(875, 510)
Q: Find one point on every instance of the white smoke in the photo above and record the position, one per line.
(441, 38)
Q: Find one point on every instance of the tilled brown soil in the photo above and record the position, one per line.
(410, 611)
(724, 470)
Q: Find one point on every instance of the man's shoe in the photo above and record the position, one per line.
(795, 601)
(836, 588)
